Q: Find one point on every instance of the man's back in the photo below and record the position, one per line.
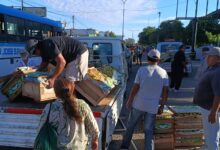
(69, 48)
(151, 80)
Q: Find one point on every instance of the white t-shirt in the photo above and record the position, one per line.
(151, 80)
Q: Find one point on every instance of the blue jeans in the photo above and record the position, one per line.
(149, 123)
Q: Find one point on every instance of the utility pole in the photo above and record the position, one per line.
(132, 32)
(217, 4)
(123, 1)
(158, 28)
(73, 17)
(187, 2)
(22, 5)
(207, 6)
(195, 27)
(177, 7)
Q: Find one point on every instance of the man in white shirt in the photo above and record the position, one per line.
(150, 82)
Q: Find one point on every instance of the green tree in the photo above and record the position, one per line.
(171, 29)
(129, 42)
(110, 34)
(147, 36)
(205, 31)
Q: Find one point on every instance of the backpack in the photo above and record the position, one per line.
(47, 136)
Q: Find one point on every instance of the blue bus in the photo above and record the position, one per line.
(16, 27)
(19, 26)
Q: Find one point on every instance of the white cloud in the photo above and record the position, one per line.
(152, 22)
(105, 11)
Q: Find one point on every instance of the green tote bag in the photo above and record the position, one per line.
(47, 136)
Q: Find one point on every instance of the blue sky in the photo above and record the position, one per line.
(106, 15)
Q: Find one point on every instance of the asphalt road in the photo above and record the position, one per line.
(183, 97)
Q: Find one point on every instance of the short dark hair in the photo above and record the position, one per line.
(182, 46)
(39, 45)
(152, 59)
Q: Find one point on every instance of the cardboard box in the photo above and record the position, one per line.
(12, 88)
(37, 91)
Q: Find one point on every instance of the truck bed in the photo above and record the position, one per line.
(19, 119)
(24, 102)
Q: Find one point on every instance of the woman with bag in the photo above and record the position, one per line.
(72, 118)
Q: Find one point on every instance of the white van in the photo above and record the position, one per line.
(168, 50)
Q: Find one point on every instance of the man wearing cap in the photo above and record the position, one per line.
(26, 61)
(68, 54)
(207, 96)
(150, 82)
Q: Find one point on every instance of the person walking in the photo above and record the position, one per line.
(177, 68)
(68, 54)
(72, 117)
(207, 96)
(151, 81)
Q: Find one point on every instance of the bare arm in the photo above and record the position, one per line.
(164, 99)
(214, 110)
(61, 62)
(134, 91)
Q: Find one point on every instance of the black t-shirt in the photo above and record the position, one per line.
(69, 48)
(178, 62)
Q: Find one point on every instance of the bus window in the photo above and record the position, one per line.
(46, 31)
(36, 30)
(2, 25)
(11, 25)
(15, 26)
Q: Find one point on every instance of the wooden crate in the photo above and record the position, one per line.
(164, 122)
(93, 93)
(188, 140)
(12, 88)
(164, 141)
(37, 91)
(164, 126)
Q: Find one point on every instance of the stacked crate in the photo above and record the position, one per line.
(188, 129)
(164, 128)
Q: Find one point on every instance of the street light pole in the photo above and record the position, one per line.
(123, 1)
(159, 13)
(22, 5)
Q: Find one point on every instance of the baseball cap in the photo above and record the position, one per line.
(154, 53)
(214, 51)
(24, 53)
(31, 46)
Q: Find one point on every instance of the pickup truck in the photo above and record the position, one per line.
(19, 119)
